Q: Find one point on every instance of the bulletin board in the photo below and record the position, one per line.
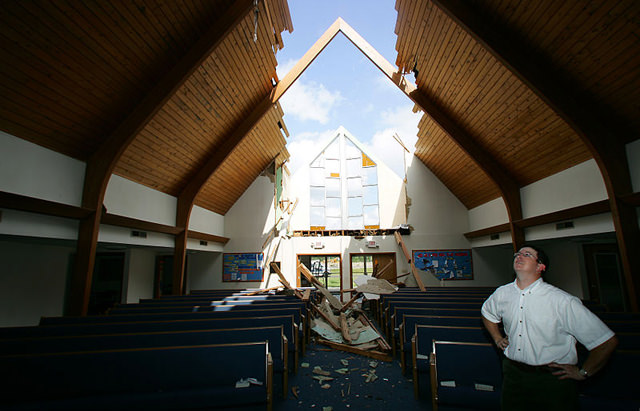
(445, 264)
(242, 267)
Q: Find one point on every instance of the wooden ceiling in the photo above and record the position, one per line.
(593, 48)
(73, 72)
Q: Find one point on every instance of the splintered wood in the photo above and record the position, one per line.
(344, 326)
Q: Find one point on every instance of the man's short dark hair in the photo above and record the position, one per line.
(542, 256)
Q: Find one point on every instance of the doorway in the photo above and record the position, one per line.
(604, 275)
(326, 268)
(106, 284)
(164, 275)
(382, 264)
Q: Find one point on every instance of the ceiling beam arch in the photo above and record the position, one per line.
(103, 161)
(598, 133)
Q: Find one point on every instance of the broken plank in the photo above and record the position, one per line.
(348, 304)
(326, 318)
(344, 328)
(335, 303)
(349, 348)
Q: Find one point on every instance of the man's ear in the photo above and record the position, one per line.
(542, 266)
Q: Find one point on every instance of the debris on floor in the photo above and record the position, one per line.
(345, 326)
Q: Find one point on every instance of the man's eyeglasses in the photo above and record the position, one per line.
(525, 254)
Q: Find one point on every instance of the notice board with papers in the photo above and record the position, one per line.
(242, 267)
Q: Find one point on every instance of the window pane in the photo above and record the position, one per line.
(316, 176)
(332, 168)
(318, 162)
(371, 215)
(333, 207)
(355, 223)
(317, 196)
(354, 167)
(371, 195)
(334, 223)
(355, 206)
(370, 176)
(354, 187)
(333, 150)
(351, 150)
(317, 216)
(333, 187)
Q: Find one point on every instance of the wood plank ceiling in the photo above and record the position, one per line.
(594, 45)
(72, 71)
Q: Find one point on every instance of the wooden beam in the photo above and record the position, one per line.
(506, 183)
(19, 202)
(500, 228)
(408, 258)
(302, 64)
(196, 235)
(585, 210)
(574, 105)
(128, 222)
(631, 199)
(103, 161)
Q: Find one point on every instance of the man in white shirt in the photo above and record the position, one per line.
(542, 324)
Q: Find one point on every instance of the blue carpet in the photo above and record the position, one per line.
(350, 391)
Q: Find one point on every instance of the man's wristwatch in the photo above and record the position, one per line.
(583, 372)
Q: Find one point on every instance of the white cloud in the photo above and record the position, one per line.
(310, 101)
(284, 68)
(403, 122)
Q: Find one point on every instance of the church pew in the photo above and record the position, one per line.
(299, 306)
(299, 319)
(101, 328)
(274, 335)
(191, 307)
(399, 312)
(388, 299)
(614, 387)
(422, 347)
(465, 375)
(192, 377)
(393, 305)
(188, 299)
(406, 326)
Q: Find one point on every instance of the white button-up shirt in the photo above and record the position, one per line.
(543, 323)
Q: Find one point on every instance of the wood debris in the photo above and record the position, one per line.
(344, 326)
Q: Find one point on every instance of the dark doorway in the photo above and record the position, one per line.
(164, 276)
(604, 274)
(106, 285)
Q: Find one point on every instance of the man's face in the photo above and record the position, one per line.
(526, 261)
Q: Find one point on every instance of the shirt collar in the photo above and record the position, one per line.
(530, 288)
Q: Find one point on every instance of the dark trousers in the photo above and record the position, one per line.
(525, 387)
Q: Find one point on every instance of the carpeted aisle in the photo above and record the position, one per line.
(387, 388)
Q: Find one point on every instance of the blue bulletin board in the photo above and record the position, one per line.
(242, 267)
(445, 264)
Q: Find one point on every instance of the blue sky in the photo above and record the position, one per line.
(342, 87)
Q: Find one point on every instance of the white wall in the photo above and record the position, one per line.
(489, 214)
(33, 278)
(34, 171)
(578, 185)
(139, 274)
(127, 198)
